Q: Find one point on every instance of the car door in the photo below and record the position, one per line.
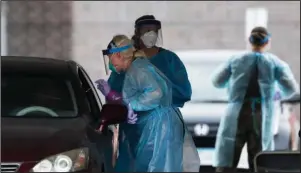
(103, 142)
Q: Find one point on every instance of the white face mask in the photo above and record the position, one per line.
(149, 39)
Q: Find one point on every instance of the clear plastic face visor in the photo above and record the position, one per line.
(107, 54)
(107, 64)
(145, 31)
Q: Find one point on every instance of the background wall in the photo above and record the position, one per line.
(38, 28)
(80, 29)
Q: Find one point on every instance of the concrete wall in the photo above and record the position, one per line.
(39, 28)
(186, 25)
(79, 29)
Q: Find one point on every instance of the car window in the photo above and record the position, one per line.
(37, 96)
(91, 95)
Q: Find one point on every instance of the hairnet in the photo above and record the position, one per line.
(259, 36)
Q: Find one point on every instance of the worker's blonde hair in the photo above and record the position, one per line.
(131, 53)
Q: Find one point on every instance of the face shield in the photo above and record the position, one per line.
(150, 33)
(111, 49)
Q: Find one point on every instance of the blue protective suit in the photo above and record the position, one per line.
(156, 142)
(173, 68)
(235, 75)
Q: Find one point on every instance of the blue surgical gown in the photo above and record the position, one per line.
(173, 68)
(234, 75)
(156, 142)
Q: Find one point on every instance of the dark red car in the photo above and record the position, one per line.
(49, 110)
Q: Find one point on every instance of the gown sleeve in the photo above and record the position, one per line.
(285, 78)
(222, 75)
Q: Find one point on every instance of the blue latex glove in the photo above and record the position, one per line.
(132, 117)
(106, 90)
(103, 87)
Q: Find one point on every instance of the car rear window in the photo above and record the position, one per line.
(37, 96)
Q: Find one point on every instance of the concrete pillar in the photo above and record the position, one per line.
(39, 28)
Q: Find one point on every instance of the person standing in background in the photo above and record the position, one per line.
(251, 79)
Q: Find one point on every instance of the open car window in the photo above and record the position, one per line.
(90, 92)
(37, 96)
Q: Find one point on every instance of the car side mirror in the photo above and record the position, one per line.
(113, 113)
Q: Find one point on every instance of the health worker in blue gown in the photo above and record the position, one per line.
(153, 137)
(148, 38)
(251, 79)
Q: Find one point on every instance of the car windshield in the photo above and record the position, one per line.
(36, 97)
(202, 88)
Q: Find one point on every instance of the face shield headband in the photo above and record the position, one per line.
(111, 49)
(144, 22)
(263, 41)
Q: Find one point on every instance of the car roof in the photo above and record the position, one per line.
(36, 65)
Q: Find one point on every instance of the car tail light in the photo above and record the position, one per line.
(70, 161)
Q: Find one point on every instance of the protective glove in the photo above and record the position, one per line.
(277, 96)
(103, 87)
(132, 117)
(106, 90)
